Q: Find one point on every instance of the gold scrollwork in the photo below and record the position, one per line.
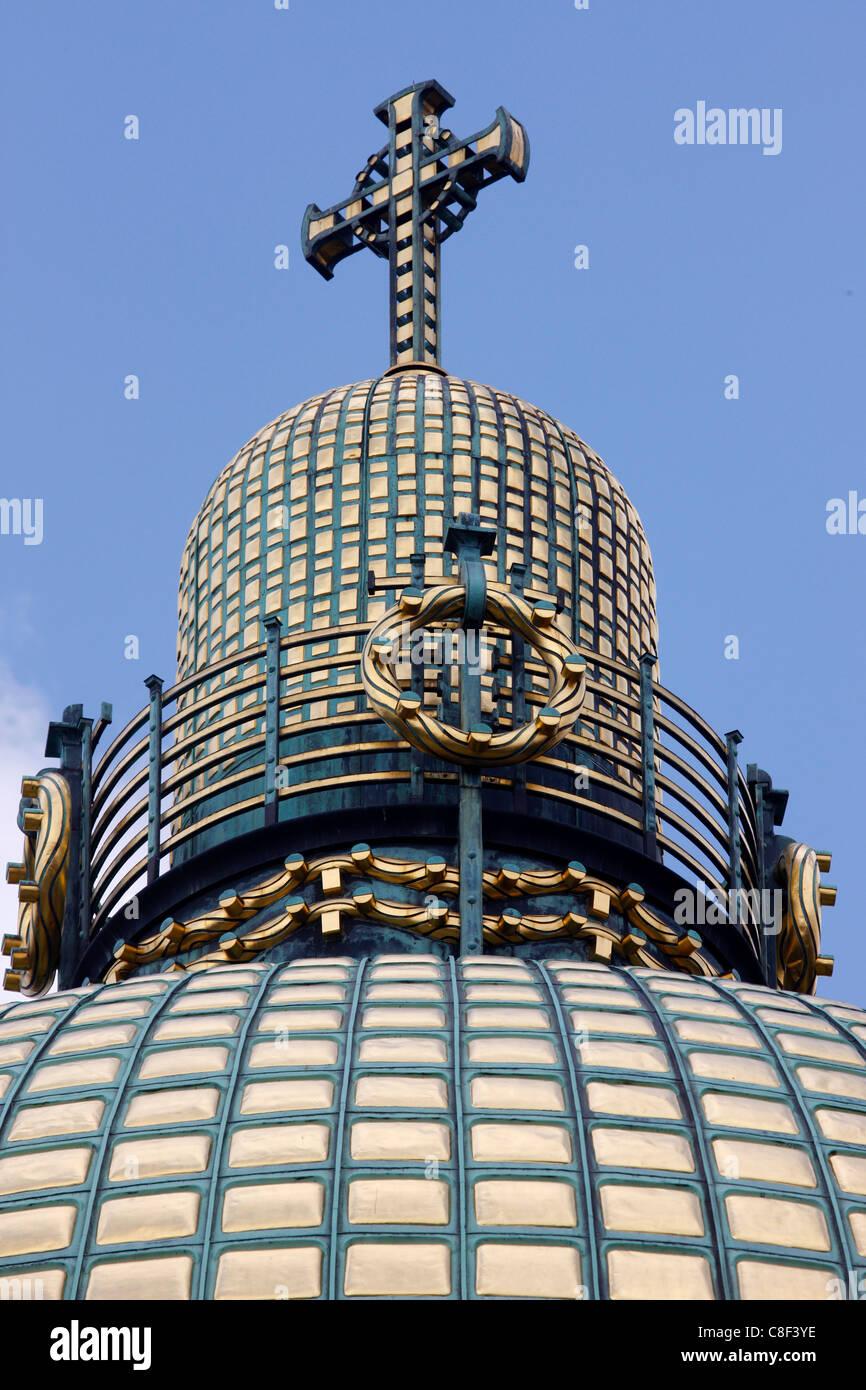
(644, 939)
(403, 709)
(41, 879)
(799, 959)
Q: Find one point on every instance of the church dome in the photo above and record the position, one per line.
(353, 483)
(409, 1126)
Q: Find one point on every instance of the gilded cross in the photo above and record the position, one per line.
(409, 198)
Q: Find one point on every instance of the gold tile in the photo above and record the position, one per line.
(294, 1052)
(217, 976)
(410, 971)
(135, 1159)
(196, 1026)
(519, 1270)
(15, 1052)
(39, 1023)
(618, 997)
(596, 1021)
(415, 1050)
(43, 1168)
(399, 1202)
(149, 1216)
(410, 1092)
(269, 1206)
(405, 990)
(783, 1016)
(845, 1126)
(93, 1071)
(300, 993)
(645, 1274)
(775, 1221)
(400, 1140)
(801, 1045)
(718, 1034)
(217, 999)
(503, 994)
(761, 1281)
(394, 1269)
(630, 1098)
(513, 1051)
(89, 1039)
(857, 1220)
(300, 1020)
(748, 1112)
(272, 1144)
(44, 1121)
(109, 1013)
(524, 1202)
(183, 1061)
(705, 1008)
(29, 1230)
(642, 1148)
(849, 1171)
(743, 1159)
(625, 1056)
(832, 1083)
(295, 1272)
(264, 1097)
(191, 1104)
(657, 1210)
(141, 1280)
(299, 972)
(383, 1016)
(516, 1093)
(38, 1284)
(520, 1143)
(491, 1016)
(732, 1066)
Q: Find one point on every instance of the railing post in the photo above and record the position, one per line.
(517, 575)
(416, 758)
(154, 776)
(647, 744)
(273, 630)
(735, 873)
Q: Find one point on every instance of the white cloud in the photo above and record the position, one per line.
(24, 716)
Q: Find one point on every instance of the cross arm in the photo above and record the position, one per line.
(329, 237)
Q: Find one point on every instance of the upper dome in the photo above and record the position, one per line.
(363, 477)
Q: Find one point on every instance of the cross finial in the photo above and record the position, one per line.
(407, 200)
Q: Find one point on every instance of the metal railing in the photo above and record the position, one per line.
(202, 762)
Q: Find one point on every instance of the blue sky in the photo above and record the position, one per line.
(155, 257)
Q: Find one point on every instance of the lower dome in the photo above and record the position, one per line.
(409, 1127)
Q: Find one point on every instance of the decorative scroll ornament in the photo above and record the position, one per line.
(799, 961)
(478, 746)
(641, 937)
(41, 880)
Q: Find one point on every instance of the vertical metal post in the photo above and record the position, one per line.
(517, 574)
(735, 873)
(86, 807)
(154, 776)
(758, 782)
(469, 542)
(273, 630)
(416, 768)
(647, 743)
(65, 742)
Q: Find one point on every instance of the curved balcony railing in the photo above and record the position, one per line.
(241, 743)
